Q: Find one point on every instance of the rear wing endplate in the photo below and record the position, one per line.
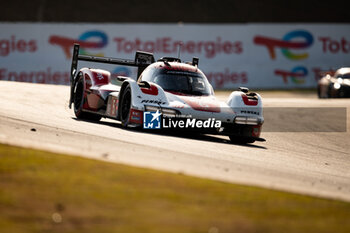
(142, 60)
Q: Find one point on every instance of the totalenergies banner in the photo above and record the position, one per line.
(231, 55)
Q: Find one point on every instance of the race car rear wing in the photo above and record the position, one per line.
(142, 60)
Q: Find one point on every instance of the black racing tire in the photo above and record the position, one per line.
(319, 92)
(241, 140)
(79, 100)
(329, 91)
(125, 105)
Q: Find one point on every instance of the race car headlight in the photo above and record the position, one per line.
(168, 112)
(336, 85)
(247, 121)
(252, 121)
(240, 120)
(152, 108)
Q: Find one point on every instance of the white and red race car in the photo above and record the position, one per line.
(167, 94)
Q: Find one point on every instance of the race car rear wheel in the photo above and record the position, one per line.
(79, 100)
(125, 104)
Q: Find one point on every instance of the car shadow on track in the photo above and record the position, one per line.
(179, 134)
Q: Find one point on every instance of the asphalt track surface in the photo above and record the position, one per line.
(313, 163)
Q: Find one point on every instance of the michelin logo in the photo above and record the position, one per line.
(151, 120)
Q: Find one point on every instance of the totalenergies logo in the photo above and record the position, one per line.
(297, 74)
(293, 40)
(87, 40)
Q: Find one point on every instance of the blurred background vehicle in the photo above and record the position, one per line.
(335, 84)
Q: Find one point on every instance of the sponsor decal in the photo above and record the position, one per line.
(298, 39)
(167, 45)
(250, 112)
(180, 69)
(136, 116)
(15, 45)
(226, 77)
(114, 107)
(99, 76)
(154, 120)
(152, 102)
(87, 40)
(297, 74)
(47, 76)
(334, 46)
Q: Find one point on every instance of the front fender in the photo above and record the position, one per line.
(141, 96)
(246, 104)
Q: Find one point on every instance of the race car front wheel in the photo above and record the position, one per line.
(241, 140)
(125, 104)
(243, 134)
(79, 100)
(319, 92)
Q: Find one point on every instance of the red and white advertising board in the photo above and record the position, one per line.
(254, 55)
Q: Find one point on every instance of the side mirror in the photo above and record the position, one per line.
(243, 89)
(195, 61)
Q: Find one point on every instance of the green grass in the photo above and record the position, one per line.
(96, 196)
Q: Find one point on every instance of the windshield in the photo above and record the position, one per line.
(179, 81)
(183, 82)
(344, 76)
